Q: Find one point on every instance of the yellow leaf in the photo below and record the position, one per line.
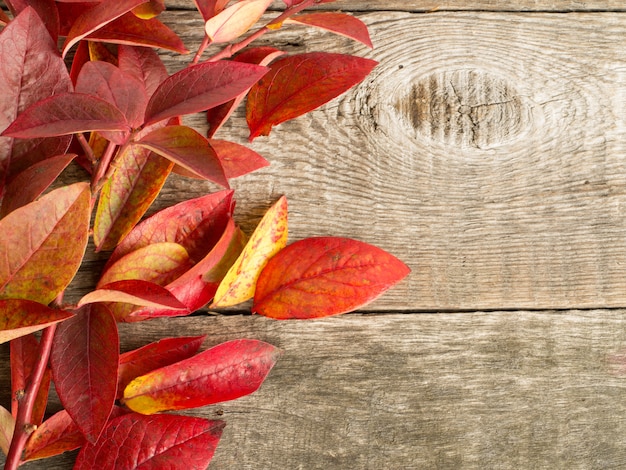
(268, 239)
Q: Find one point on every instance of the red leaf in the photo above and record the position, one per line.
(84, 359)
(121, 89)
(154, 356)
(317, 277)
(145, 64)
(237, 160)
(187, 148)
(96, 18)
(224, 372)
(46, 10)
(56, 435)
(201, 87)
(209, 8)
(43, 243)
(69, 113)
(149, 10)
(19, 317)
(298, 84)
(336, 22)
(153, 443)
(135, 292)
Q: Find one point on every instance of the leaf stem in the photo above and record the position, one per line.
(102, 168)
(86, 148)
(203, 46)
(26, 402)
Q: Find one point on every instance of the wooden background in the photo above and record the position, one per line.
(487, 150)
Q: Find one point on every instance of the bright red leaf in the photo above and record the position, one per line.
(317, 277)
(237, 160)
(19, 317)
(224, 372)
(153, 443)
(154, 356)
(56, 435)
(336, 22)
(135, 292)
(300, 83)
(201, 87)
(84, 360)
(145, 64)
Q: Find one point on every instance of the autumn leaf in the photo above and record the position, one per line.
(237, 160)
(235, 20)
(19, 317)
(43, 243)
(7, 425)
(153, 442)
(45, 9)
(317, 277)
(225, 372)
(300, 83)
(145, 64)
(56, 435)
(84, 360)
(209, 8)
(335, 22)
(149, 10)
(269, 238)
(135, 292)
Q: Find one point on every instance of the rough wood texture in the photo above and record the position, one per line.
(473, 391)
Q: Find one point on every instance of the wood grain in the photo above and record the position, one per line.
(504, 390)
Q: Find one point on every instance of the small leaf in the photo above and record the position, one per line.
(237, 160)
(19, 317)
(7, 425)
(187, 148)
(269, 238)
(56, 435)
(201, 87)
(43, 243)
(153, 442)
(336, 22)
(154, 356)
(149, 10)
(135, 292)
(235, 20)
(224, 372)
(298, 84)
(145, 64)
(317, 277)
(84, 360)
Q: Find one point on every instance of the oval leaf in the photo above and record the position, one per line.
(335, 22)
(135, 292)
(317, 277)
(43, 243)
(153, 442)
(235, 20)
(201, 87)
(298, 84)
(225, 372)
(84, 359)
(268, 238)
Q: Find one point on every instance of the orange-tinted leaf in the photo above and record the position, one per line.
(150, 9)
(43, 243)
(7, 425)
(224, 372)
(69, 113)
(268, 238)
(145, 64)
(135, 292)
(336, 22)
(28, 185)
(154, 356)
(84, 360)
(237, 160)
(56, 435)
(187, 148)
(298, 84)
(201, 87)
(4, 19)
(136, 181)
(317, 277)
(153, 442)
(19, 317)
(235, 20)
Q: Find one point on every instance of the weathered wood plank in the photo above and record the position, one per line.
(484, 390)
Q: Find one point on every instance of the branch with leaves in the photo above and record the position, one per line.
(114, 110)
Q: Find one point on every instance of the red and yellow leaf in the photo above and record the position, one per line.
(84, 361)
(235, 20)
(153, 442)
(43, 243)
(300, 83)
(149, 10)
(336, 22)
(317, 277)
(7, 425)
(268, 238)
(209, 8)
(134, 292)
(237, 160)
(224, 372)
(19, 317)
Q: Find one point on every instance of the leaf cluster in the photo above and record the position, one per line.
(114, 109)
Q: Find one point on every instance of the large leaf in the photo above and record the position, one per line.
(145, 64)
(201, 87)
(69, 113)
(153, 443)
(237, 160)
(187, 148)
(235, 20)
(154, 356)
(268, 238)
(300, 83)
(135, 292)
(19, 317)
(7, 425)
(317, 277)
(224, 372)
(84, 360)
(43, 243)
(56, 435)
(336, 22)
(46, 10)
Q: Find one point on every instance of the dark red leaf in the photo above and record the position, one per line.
(201, 87)
(317, 277)
(46, 9)
(81, 57)
(84, 361)
(209, 8)
(336, 22)
(145, 64)
(237, 160)
(298, 84)
(153, 443)
(224, 372)
(154, 356)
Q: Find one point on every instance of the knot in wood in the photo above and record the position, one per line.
(464, 108)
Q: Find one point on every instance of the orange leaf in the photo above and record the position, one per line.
(19, 317)
(336, 22)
